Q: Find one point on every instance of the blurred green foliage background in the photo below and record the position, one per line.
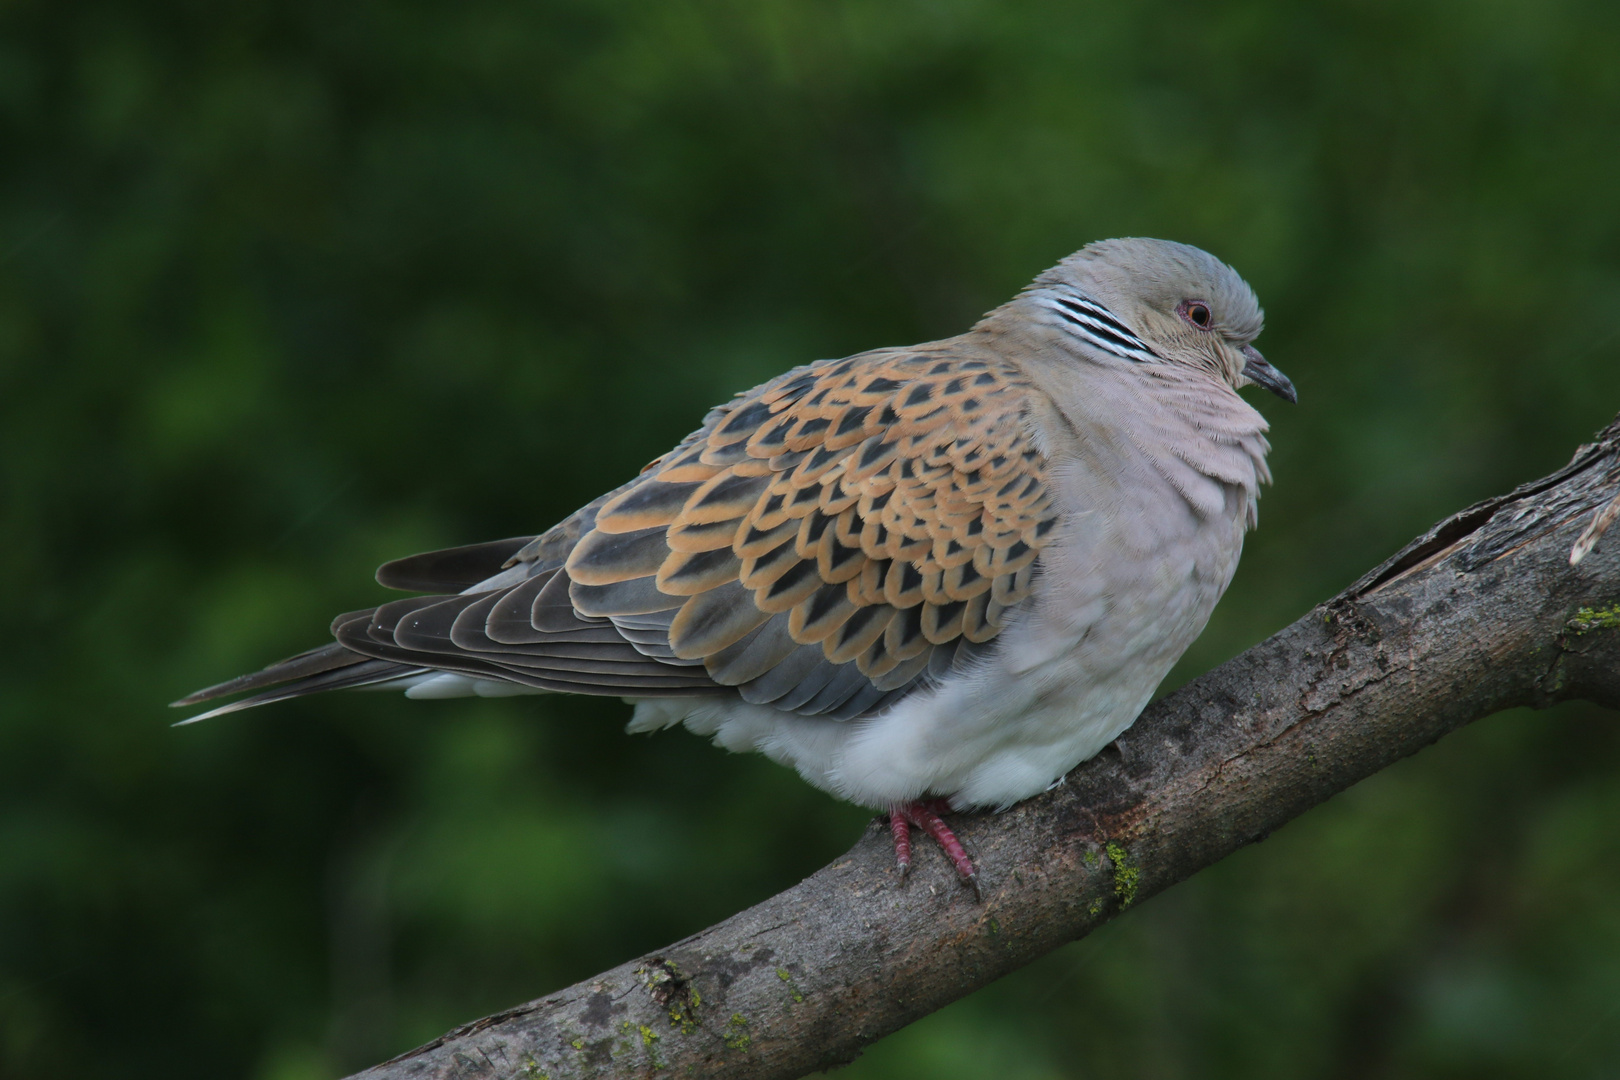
(288, 289)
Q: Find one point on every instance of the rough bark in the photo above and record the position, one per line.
(1484, 612)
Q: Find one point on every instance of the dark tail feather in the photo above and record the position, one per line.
(314, 662)
(361, 672)
(330, 667)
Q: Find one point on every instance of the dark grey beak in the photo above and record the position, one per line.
(1258, 371)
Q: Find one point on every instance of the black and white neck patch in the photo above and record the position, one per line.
(1099, 327)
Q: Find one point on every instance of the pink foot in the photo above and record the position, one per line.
(925, 815)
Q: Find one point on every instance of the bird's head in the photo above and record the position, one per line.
(1156, 301)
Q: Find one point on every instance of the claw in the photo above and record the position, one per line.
(925, 815)
(900, 829)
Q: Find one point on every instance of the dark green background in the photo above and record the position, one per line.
(288, 289)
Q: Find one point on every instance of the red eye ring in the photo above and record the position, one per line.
(1196, 313)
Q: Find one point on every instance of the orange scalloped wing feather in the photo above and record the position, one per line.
(880, 508)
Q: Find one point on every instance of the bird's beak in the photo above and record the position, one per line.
(1258, 371)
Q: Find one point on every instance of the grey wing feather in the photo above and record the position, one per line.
(451, 569)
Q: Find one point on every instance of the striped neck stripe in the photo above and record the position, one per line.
(1098, 326)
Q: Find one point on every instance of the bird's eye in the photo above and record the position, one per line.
(1196, 312)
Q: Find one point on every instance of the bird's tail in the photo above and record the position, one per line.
(330, 667)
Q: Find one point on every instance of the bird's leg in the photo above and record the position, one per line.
(900, 829)
(925, 815)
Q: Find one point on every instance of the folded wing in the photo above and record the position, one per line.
(821, 544)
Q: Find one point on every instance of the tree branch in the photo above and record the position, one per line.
(1482, 613)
